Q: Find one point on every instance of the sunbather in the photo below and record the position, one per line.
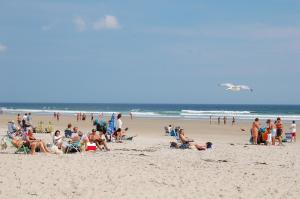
(34, 144)
(187, 143)
(95, 138)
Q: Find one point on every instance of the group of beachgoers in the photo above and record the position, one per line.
(56, 116)
(272, 132)
(71, 140)
(224, 119)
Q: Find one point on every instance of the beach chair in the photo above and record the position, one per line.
(40, 127)
(6, 142)
(49, 129)
(288, 137)
(73, 147)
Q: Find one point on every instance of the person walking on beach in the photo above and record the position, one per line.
(209, 119)
(279, 127)
(225, 120)
(92, 117)
(293, 131)
(254, 130)
(130, 115)
(233, 121)
(219, 120)
(57, 116)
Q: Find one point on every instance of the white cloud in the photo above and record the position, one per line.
(80, 24)
(108, 22)
(3, 48)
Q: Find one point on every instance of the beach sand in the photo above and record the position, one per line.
(147, 168)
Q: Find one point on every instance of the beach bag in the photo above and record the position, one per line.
(209, 145)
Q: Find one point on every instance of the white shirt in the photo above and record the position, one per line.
(119, 124)
(25, 117)
(293, 128)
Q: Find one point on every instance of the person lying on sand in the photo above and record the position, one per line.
(34, 144)
(187, 143)
(95, 138)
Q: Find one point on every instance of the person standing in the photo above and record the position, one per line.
(58, 116)
(293, 131)
(92, 117)
(130, 115)
(19, 120)
(209, 119)
(119, 121)
(272, 130)
(219, 120)
(225, 120)
(279, 127)
(254, 130)
(233, 120)
(29, 117)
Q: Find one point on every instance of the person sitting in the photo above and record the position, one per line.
(68, 131)
(34, 144)
(83, 139)
(58, 139)
(11, 129)
(187, 143)
(95, 138)
(72, 142)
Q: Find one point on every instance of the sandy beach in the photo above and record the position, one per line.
(147, 168)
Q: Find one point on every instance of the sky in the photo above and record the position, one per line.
(158, 51)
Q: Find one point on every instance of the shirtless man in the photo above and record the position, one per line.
(95, 138)
(186, 142)
(255, 128)
(279, 128)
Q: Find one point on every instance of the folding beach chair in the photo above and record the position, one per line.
(73, 147)
(6, 142)
(288, 137)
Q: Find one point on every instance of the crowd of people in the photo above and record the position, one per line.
(271, 132)
(21, 135)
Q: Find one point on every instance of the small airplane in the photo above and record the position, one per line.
(235, 88)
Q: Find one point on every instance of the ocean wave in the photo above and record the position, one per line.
(185, 114)
(51, 111)
(214, 112)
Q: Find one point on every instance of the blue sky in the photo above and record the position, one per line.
(135, 51)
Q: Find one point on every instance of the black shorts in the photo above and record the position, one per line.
(279, 132)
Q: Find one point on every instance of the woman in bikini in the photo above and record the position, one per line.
(254, 130)
(35, 144)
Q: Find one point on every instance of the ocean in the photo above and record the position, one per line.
(184, 111)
